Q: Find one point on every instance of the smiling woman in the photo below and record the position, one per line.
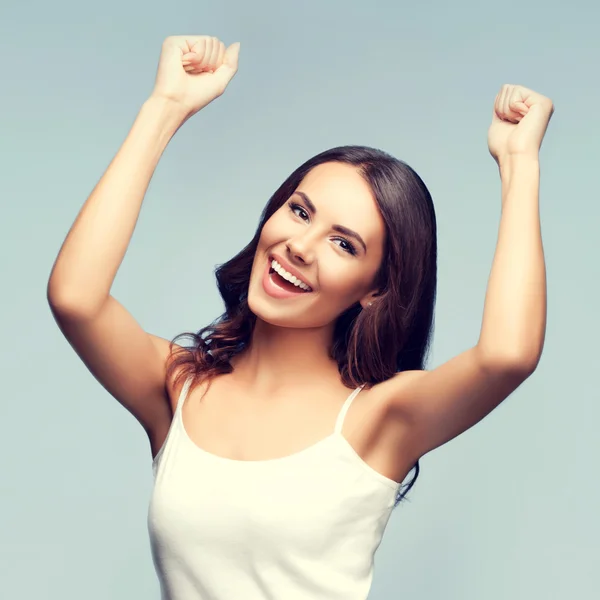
(270, 480)
(356, 229)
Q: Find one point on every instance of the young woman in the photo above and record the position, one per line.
(274, 476)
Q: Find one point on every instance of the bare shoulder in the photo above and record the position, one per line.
(441, 404)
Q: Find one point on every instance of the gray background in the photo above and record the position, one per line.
(507, 510)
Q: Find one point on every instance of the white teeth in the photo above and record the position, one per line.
(277, 267)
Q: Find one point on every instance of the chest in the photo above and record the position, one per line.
(224, 422)
(237, 427)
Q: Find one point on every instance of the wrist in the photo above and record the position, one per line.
(167, 110)
(509, 163)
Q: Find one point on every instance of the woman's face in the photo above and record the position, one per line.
(331, 235)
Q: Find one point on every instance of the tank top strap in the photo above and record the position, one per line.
(183, 394)
(340, 420)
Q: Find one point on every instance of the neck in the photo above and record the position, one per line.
(279, 357)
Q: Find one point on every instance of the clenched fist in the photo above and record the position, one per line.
(194, 70)
(519, 122)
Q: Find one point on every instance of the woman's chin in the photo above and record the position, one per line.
(281, 315)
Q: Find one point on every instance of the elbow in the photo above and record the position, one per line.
(68, 304)
(58, 299)
(519, 363)
(526, 364)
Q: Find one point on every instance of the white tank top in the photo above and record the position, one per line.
(302, 527)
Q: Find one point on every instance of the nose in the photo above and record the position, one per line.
(300, 248)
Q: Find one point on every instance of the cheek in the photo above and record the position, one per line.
(272, 232)
(341, 282)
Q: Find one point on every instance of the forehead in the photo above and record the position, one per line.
(341, 194)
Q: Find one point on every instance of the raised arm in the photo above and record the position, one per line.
(440, 404)
(127, 361)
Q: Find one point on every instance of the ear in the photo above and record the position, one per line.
(369, 298)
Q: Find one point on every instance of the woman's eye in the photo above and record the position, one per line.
(347, 246)
(297, 207)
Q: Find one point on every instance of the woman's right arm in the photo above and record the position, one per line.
(129, 362)
(125, 359)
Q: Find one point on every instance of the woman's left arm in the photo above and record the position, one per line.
(435, 406)
(514, 317)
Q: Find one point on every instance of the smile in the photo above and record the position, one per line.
(275, 266)
(279, 283)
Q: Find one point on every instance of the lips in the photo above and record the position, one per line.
(272, 289)
(291, 270)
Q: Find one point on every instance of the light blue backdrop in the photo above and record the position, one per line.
(507, 510)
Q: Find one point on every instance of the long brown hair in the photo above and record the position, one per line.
(370, 346)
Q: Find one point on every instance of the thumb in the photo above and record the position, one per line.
(232, 55)
(230, 64)
(536, 122)
(230, 60)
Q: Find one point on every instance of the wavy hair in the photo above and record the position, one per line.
(369, 346)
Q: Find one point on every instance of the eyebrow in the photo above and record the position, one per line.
(338, 228)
